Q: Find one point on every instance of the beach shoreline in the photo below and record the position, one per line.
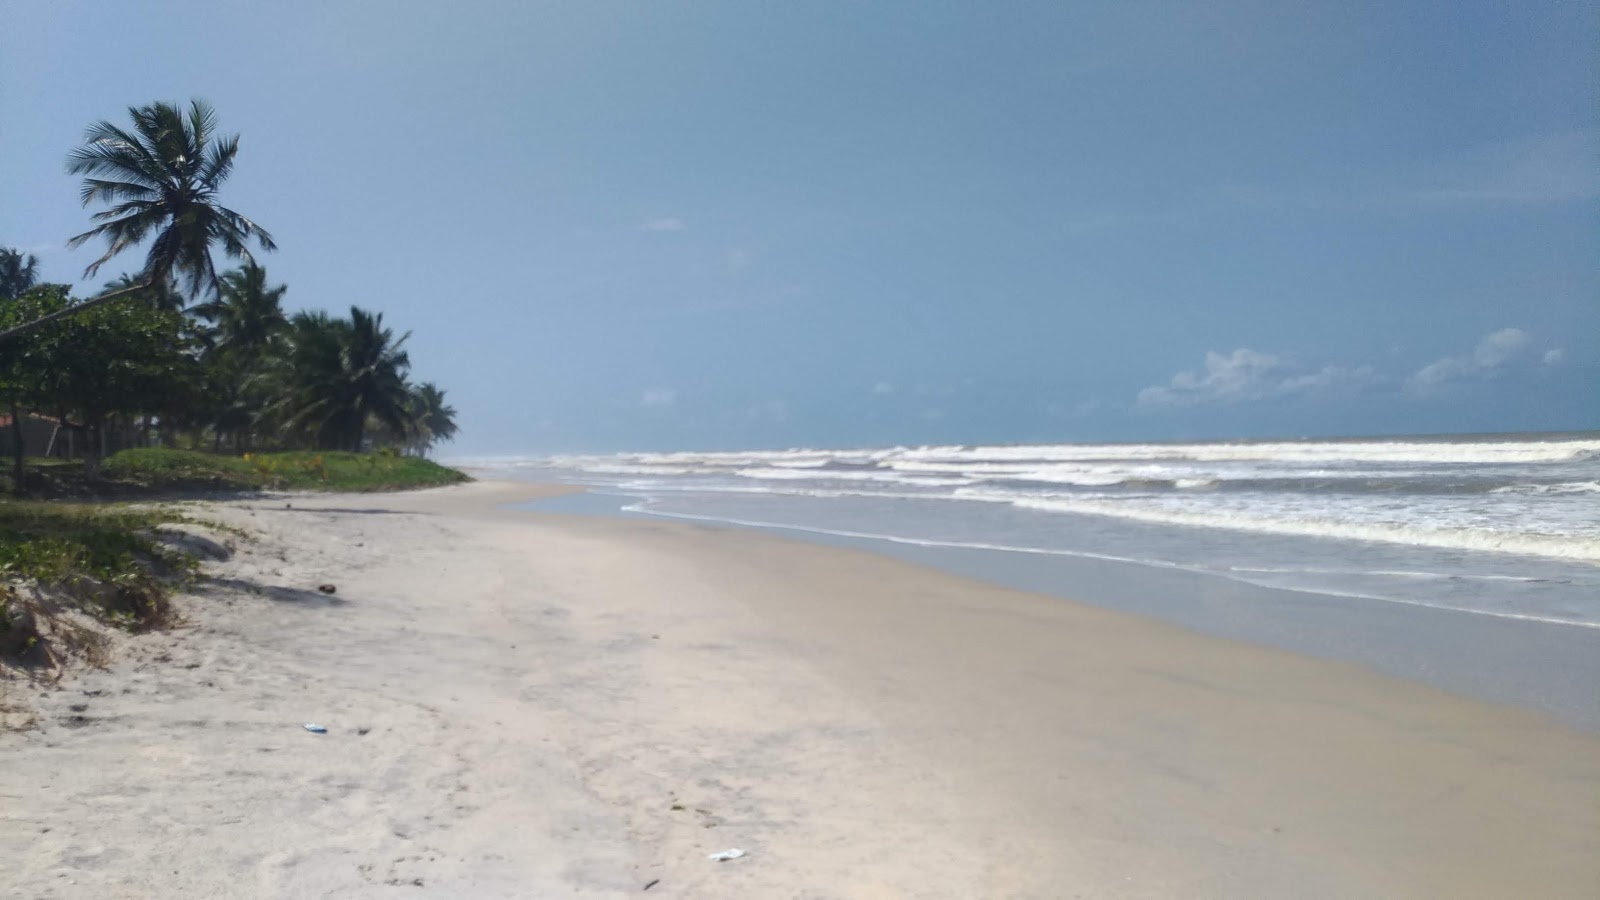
(1539, 665)
(537, 704)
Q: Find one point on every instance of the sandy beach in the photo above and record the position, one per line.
(527, 705)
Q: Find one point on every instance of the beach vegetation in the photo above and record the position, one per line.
(68, 571)
(183, 357)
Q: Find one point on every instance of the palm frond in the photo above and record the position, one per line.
(98, 189)
(160, 179)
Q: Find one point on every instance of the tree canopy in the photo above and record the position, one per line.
(160, 181)
(142, 363)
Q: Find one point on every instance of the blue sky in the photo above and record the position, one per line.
(702, 225)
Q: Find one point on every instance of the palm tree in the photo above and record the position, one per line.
(248, 320)
(339, 374)
(158, 296)
(432, 420)
(247, 314)
(162, 180)
(18, 272)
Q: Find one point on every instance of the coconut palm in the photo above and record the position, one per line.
(18, 272)
(159, 296)
(432, 420)
(247, 314)
(341, 374)
(161, 181)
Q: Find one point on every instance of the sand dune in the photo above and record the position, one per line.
(547, 706)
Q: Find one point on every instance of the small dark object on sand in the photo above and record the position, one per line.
(652, 884)
(327, 588)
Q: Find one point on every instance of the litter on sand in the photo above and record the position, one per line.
(315, 728)
(725, 855)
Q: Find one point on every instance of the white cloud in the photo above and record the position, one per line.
(738, 260)
(771, 411)
(667, 224)
(882, 388)
(1245, 375)
(1496, 353)
(1554, 357)
(658, 397)
(1541, 169)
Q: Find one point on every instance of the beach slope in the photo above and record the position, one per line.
(528, 705)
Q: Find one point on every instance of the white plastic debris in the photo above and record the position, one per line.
(725, 855)
(315, 728)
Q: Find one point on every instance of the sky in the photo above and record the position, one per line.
(703, 225)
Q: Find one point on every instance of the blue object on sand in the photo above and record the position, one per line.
(316, 729)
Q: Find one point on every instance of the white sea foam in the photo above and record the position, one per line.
(1529, 496)
(1582, 549)
(813, 474)
(1570, 487)
(1440, 451)
(647, 508)
(1443, 451)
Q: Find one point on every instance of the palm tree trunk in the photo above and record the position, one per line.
(25, 327)
(93, 446)
(18, 466)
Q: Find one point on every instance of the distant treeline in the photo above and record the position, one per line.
(178, 353)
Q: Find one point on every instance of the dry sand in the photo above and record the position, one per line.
(546, 706)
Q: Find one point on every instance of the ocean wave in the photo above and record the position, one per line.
(1443, 451)
(815, 474)
(1568, 487)
(1567, 547)
(1386, 573)
(647, 507)
(1297, 453)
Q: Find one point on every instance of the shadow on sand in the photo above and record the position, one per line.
(296, 596)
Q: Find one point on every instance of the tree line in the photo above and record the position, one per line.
(180, 353)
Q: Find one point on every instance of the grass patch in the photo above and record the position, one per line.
(293, 470)
(66, 568)
(160, 471)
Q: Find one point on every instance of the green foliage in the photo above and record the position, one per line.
(18, 272)
(165, 469)
(117, 358)
(174, 470)
(134, 366)
(23, 363)
(432, 419)
(159, 296)
(340, 374)
(105, 559)
(246, 317)
(160, 182)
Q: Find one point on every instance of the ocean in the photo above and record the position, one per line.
(1498, 525)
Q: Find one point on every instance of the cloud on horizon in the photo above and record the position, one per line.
(658, 398)
(1249, 375)
(668, 223)
(1548, 168)
(1496, 354)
